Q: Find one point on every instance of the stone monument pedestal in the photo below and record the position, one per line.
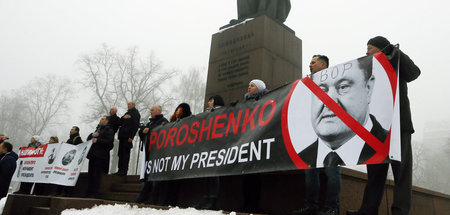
(258, 48)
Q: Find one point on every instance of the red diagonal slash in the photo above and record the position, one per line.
(346, 118)
(382, 150)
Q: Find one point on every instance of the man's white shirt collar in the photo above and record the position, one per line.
(349, 152)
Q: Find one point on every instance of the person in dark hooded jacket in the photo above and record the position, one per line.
(102, 143)
(7, 167)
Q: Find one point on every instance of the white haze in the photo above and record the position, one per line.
(48, 36)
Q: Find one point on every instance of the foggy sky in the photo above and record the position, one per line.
(48, 36)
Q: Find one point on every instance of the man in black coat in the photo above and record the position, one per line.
(74, 137)
(7, 167)
(129, 126)
(114, 120)
(102, 143)
(156, 119)
(377, 173)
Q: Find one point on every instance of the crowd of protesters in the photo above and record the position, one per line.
(128, 125)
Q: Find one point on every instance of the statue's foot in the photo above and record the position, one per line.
(233, 21)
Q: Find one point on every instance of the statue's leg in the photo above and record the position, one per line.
(269, 7)
(283, 8)
(246, 8)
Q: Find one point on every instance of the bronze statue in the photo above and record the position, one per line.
(277, 9)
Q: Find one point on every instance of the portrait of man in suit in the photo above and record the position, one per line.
(351, 87)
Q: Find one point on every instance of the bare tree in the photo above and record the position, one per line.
(12, 112)
(191, 89)
(141, 81)
(418, 162)
(99, 78)
(116, 78)
(33, 108)
(44, 99)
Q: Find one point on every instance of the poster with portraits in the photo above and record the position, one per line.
(51, 163)
(349, 110)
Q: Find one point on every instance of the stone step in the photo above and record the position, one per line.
(39, 211)
(128, 187)
(132, 179)
(119, 196)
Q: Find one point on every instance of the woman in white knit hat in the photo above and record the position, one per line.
(256, 89)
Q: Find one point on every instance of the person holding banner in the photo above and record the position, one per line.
(212, 183)
(3, 138)
(157, 118)
(183, 110)
(377, 173)
(40, 188)
(8, 165)
(74, 139)
(129, 126)
(337, 144)
(312, 176)
(98, 155)
(25, 187)
(252, 182)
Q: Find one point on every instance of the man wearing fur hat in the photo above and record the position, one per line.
(373, 192)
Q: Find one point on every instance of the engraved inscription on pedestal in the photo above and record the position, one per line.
(259, 48)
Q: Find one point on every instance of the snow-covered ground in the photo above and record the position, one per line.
(2, 204)
(125, 209)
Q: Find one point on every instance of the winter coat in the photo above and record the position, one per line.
(130, 126)
(213, 109)
(104, 144)
(35, 144)
(255, 96)
(158, 120)
(114, 122)
(7, 167)
(74, 139)
(408, 72)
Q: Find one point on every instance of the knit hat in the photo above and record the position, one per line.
(6, 138)
(259, 84)
(379, 42)
(37, 138)
(55, 138)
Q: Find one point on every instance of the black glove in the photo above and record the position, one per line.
(388, 49)
(234, 103)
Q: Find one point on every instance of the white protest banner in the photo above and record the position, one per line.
(68, 162)
(51, 163)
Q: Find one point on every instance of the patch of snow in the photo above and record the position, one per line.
(2, 204)
(126, 209)
(241, 23)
